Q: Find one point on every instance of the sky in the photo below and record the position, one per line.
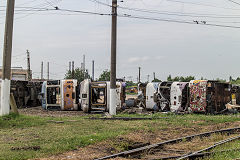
(156, 46)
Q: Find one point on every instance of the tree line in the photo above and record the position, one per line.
(80, 75)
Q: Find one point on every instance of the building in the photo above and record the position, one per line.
(18, 73)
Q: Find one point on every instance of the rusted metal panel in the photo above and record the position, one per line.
(69, 96)
(235, 90)
(60, 94)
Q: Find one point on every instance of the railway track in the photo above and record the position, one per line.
(149, 149)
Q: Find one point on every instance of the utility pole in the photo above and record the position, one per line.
(73, 76)
(29, 67)
(139, 74)
(113, 92)
(48, 71)
(154, 76)
(93, 70)
(70, 67)
(84, 63)
(42, 71)
(7, 58)
(84, 67)
(86, 75)
(148, 77)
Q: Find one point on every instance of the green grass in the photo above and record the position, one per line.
(53, 138)
(234, 154)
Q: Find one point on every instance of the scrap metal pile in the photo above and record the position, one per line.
(202, 96)
(26, 93)
(87, 96)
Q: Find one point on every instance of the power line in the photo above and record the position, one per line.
(142, 17)
(234, 2)
(84, 12)
(171, 13)
(179, 14)
(200, 4)
(178, 21)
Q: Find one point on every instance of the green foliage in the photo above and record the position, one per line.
(156, 80)
(79, 74)
(169, 78)
(105, 76)
(234, 81)
(221, 80)
(180, 79)
(130, 84)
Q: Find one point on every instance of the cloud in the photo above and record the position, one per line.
(143, 59)
(138, 59)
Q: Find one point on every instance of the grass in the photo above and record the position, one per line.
(53, 138)
(234, 154)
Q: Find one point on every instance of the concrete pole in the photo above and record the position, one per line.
(73, 70)
(139, 74)
(113, 92)
(7, 59)
(48, 69)
(29, 66)
(84, 62)
(42, 71)
(70, 67)
(93, 70)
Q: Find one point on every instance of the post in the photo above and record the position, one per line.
(154, 76)
(42, 71)
(48, 74)
(113, 92)
(148, 77)
(7, 58)
(84, 63)
(139, 74)
(84, 67)
(70, 67)
(29, 67)
(93, 70)
(73, 76)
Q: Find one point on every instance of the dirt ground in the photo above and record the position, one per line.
(39, 111)
(105, 148)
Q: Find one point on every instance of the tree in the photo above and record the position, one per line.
(79, 74)
(235, 81)
(156, 80)
(180, 79)
(169, 78)
(221, 80)
(105, 76)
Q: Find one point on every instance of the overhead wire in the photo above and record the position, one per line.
(180, 14)
(138, 17)
(170, 13)
(201, 4)
(178, 21)
(238, 3)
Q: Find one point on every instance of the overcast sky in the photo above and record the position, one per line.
(162, 47)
